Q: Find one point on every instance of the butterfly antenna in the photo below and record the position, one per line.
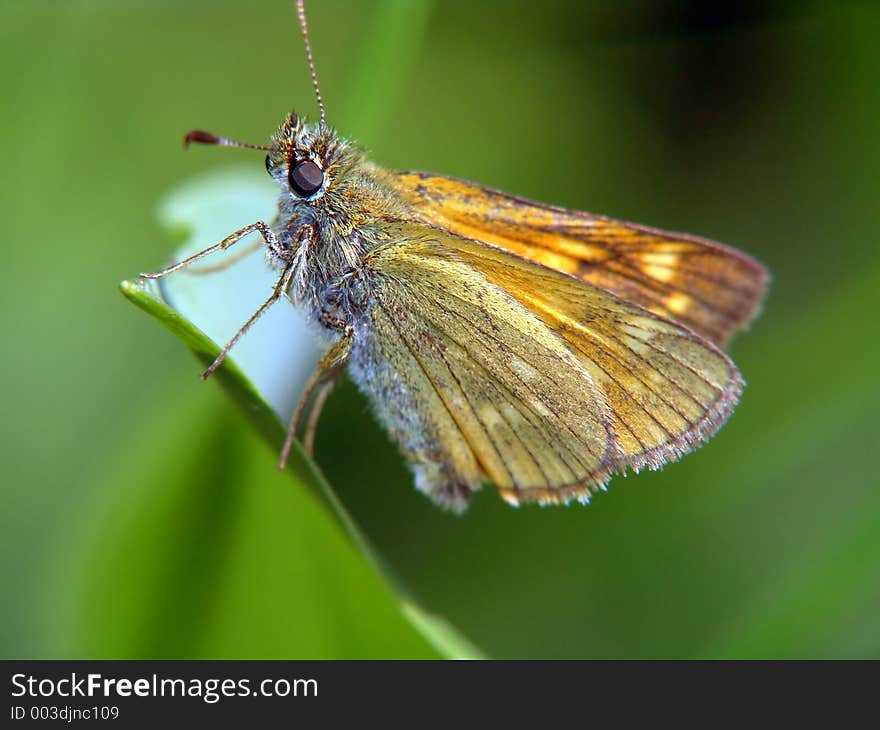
(201, 137)
(301, 14)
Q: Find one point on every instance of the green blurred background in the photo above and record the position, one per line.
(143, 518)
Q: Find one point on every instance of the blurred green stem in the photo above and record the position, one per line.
(391, 40)
(389, 47)
(390, 44)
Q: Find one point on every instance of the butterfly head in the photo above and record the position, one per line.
(307, 160)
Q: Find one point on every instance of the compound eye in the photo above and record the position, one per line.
(306, 178)
(268, 164)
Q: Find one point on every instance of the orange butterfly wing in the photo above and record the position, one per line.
(712, 289)
(543, 383)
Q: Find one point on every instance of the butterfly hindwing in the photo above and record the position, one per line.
(526, 406)
(551, 382)
(668, 389)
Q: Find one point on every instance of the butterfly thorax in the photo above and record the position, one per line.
(328, 233)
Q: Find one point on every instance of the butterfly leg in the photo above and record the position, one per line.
(319, 384)
(228, 261)
(268, 236)
(280, 288)
(315, 414)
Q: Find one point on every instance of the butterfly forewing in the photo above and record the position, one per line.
(712, 289)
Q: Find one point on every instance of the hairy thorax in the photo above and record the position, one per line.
(329, 240)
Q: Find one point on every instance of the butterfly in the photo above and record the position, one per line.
(497, 339)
